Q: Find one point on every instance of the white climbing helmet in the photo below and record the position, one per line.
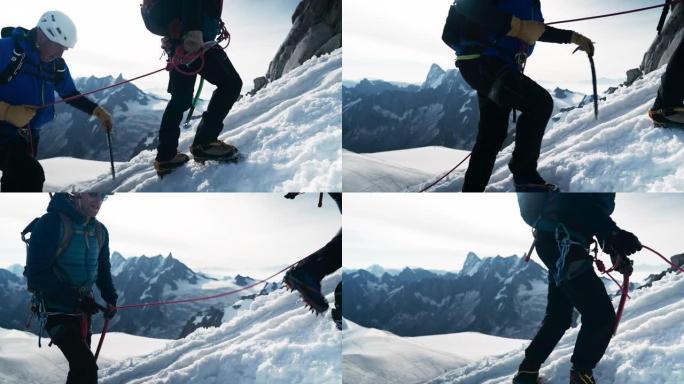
(58, 28)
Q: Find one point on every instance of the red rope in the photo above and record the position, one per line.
(623, 300)
(173, 64)
(664, 258)
(105, 328)
(445, 175)
(616, 13)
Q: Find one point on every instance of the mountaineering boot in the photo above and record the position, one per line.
(527, 377)
(532, 183)
(308, 287)
(215, 150)
(579, 377)
(165, 167)
(336, 312)
(667, 117)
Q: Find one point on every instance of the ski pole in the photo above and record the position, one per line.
(105, 328)
(111, 154)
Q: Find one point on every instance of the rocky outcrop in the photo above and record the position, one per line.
(664, 45)
(316, 30)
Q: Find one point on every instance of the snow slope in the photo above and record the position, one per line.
(22, 362)
(648, 348)
(473, 345)
(395, 171)
(275, 340)
(621, 151)
(289, 133)
(371, 356)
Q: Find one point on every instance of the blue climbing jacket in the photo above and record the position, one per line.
(59, 280)
(33, 85)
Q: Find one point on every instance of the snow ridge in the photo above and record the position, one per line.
(289, 134)
(274, 340)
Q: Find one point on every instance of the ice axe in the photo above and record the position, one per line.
(189, 118)
(111, 154)
(593, 80)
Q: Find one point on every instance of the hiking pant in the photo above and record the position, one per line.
(338, 296)
(218, 70)
(500, 88)
(21, 172)
(587, 294)
(324, 261)
(65, 332)
(671, 91)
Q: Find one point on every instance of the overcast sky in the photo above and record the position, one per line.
(113, 38)
(398, 40)
(436, 231)
(254, 234)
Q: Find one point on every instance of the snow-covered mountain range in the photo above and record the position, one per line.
(148, 279)
(379, 116)
(501, 296)
(136, 117)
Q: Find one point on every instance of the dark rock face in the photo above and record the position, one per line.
(501, 296)
(211, 318)
(664, 45)
(316, 30)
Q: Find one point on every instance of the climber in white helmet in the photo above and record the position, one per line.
(31, 71)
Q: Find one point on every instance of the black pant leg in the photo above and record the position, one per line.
(492, 132)
(588, 294)
(65, 332)
(513, 89)
(181, 88)
(557, 320)
(218, 70)
(671, 91)
(326, 260)
(21, 172)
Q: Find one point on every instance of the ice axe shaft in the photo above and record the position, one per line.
(186, 125)
(105, 328)
(593, 82)
(111, 154)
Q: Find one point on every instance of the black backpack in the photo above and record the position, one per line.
(156, 17)
(460, 31)
(67, 232)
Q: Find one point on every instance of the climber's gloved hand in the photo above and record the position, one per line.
(621, 242)
(583, 43)
(192, 41)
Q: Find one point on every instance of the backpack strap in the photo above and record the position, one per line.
(99, 235)
(67, 232)
(16, 60)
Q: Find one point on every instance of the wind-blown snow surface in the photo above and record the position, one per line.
(290, 134)
(372, 356)
(621, 151)
(648, 348)
(275, 340)
(395, 171)
(22, 362)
